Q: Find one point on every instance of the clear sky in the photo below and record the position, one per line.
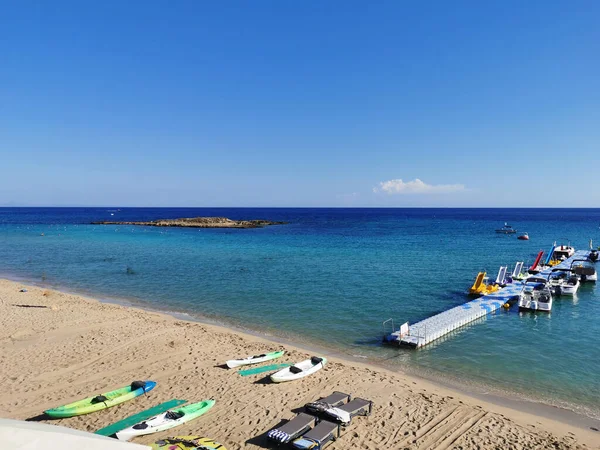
(300, 103)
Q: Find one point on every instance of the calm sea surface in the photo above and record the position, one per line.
(331, 277)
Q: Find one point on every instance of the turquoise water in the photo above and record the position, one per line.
(330, 277)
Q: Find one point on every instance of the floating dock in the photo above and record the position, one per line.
(433, 328)
(566, 264)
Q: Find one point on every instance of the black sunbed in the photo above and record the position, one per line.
(356, 407)
(318, 437)
(331, 401)
(336, 399)
(292, 429)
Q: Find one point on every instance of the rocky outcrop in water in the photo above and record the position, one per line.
(198, 222)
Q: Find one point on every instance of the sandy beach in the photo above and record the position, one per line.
(56, 348)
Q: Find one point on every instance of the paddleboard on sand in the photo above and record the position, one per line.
(262, 369)
(102, 401)
(254, 359)
(299, 370)
(167, 420)
(187, 443)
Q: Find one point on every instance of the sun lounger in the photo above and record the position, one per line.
(336, 399)
(356, 407)
(318, 437)
(331, 401)
(292, 429)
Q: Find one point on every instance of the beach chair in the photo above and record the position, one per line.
(331, 401)
(292, 429)
(344, 413)
(318, 437)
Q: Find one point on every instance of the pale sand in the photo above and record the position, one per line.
(78, 347)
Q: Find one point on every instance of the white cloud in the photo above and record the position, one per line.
(416, 186)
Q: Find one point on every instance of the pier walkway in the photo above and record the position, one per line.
(432, 328)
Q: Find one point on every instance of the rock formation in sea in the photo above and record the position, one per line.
(198, 222)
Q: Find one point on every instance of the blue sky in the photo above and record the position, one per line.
(281, 103)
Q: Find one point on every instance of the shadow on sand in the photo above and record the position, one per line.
(39, 418)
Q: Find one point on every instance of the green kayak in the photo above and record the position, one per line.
(102, 401)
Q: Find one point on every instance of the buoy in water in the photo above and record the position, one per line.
(506, 306)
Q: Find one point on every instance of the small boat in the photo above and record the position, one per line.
(102, 401)
(563, 283)
(523, 237)
(506, 229)
(299, 370)
(187, 443)
(254, 359)
(562, 252)
(536, 295)
(166, 420)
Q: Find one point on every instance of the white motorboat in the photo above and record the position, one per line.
(563, 282)
(506, 229)
(536, 295)
(562, 252)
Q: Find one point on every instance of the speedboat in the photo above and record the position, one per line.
(506, 229)
(562, 252)
(562, 282)
(536, 295)
(523, 237)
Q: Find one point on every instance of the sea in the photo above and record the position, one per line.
(329, 278)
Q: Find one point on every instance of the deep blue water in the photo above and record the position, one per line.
(330, 277)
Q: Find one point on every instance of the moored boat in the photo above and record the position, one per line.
(563, 282)
(506, 229)
(523, 237)
(562, 252)
(536, 295)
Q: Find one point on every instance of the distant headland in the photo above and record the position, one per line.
(198, 222)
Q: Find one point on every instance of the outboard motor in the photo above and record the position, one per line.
(593, 255)
(558, 290)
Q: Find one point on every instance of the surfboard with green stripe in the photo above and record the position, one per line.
(262, 369)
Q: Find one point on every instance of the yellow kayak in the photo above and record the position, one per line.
(187, 443)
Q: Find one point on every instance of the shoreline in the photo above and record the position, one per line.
(475, 390)
(549, 417)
